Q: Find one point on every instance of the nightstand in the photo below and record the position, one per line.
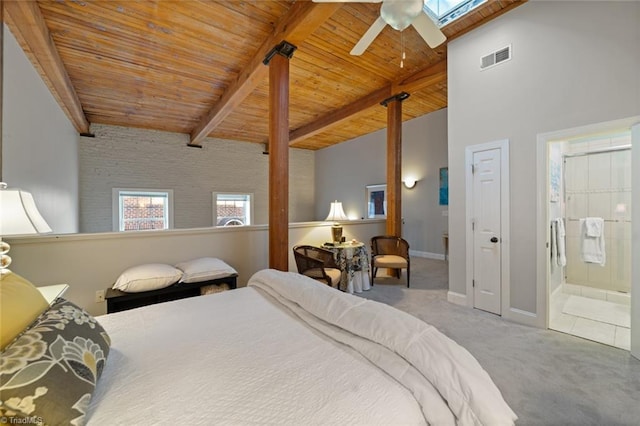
(52, 292)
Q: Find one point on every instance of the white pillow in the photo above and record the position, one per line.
(204, 269)
(151, 276)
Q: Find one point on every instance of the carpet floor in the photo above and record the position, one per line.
(547, 377)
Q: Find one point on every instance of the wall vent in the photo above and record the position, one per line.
(495, 58)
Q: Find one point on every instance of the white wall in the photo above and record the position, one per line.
(343, 171)
(39, 144)
(92, 262)
(566, 71)
(121, 157)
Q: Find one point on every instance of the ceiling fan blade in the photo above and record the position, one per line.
(428, 30)
(368, 37)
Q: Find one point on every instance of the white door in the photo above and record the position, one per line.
(487, 277)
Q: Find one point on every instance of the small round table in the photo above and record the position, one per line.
(353, 260)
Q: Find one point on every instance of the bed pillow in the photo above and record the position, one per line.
(50, 371)
(151, 276)
(20, 304)
(204, 269)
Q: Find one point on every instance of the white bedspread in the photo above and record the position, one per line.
(287, 350)
(413, 352)
(236, 358)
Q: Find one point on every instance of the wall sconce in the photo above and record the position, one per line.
(409, 183)
(336, 213)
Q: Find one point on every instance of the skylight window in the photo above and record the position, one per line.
(446, 11)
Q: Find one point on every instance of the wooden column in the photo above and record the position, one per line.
(394, 163)
(278, 61)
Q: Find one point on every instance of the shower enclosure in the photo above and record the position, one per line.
(593, 180)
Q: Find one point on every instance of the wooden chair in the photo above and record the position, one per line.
(390, 252)
(317, 263)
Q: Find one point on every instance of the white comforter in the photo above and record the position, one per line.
(287, 350)
(445, 378)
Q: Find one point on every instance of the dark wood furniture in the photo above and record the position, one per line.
(121, 301)
(317, 263)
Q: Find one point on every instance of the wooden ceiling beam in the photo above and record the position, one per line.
(302, 19)
(434, 74)
(429, 76)
(28, 26)
(339, 115)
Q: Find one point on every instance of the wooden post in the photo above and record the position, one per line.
(394, 163)
(278, 61)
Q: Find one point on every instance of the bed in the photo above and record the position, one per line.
(285, 350)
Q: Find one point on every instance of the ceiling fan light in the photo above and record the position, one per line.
(399, 14)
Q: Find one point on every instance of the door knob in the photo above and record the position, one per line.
(494, 240)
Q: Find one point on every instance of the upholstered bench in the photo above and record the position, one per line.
(118, 300)
(157, 282)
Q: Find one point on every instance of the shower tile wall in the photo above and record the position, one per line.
(600, 185)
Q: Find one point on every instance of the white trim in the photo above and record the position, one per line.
(542, 203)
(426, 254)
(635, 240)
(115, 205)
(505, 262)
(161, 233)
(522, 317)
(214, 207)
(457, 298)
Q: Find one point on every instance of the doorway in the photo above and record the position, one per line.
(590, 289)
(587, 225)
(488, 226)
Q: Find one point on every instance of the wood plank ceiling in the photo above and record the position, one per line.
(195, 67)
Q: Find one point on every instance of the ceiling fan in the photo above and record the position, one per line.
(399, 14)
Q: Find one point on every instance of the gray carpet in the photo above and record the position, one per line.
(547, 377)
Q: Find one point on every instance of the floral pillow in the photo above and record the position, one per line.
(48, 374)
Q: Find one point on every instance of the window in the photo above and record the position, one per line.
(141, 209)
(232, 209)
(446, 11)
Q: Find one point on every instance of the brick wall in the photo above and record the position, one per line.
(121, 157)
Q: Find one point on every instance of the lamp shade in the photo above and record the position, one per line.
(409, 183)
(19, 214)
(336, 212)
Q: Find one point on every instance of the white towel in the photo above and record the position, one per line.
(592, 246)
(595, 226)
(562, 255)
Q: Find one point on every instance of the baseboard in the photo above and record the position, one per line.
(457, 298)
(522, 317)
(426, 254)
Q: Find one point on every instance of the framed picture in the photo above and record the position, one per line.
(444, 186)
(376, 201)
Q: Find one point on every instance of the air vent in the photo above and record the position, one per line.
(495, 58)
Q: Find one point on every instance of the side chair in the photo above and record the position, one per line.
(317, 263)
(390, 252)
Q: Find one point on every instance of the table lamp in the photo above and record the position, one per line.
(18, 216)
(336, 213)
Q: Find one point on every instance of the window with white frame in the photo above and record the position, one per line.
(142, 209)
(232, 209)
(447, 11)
